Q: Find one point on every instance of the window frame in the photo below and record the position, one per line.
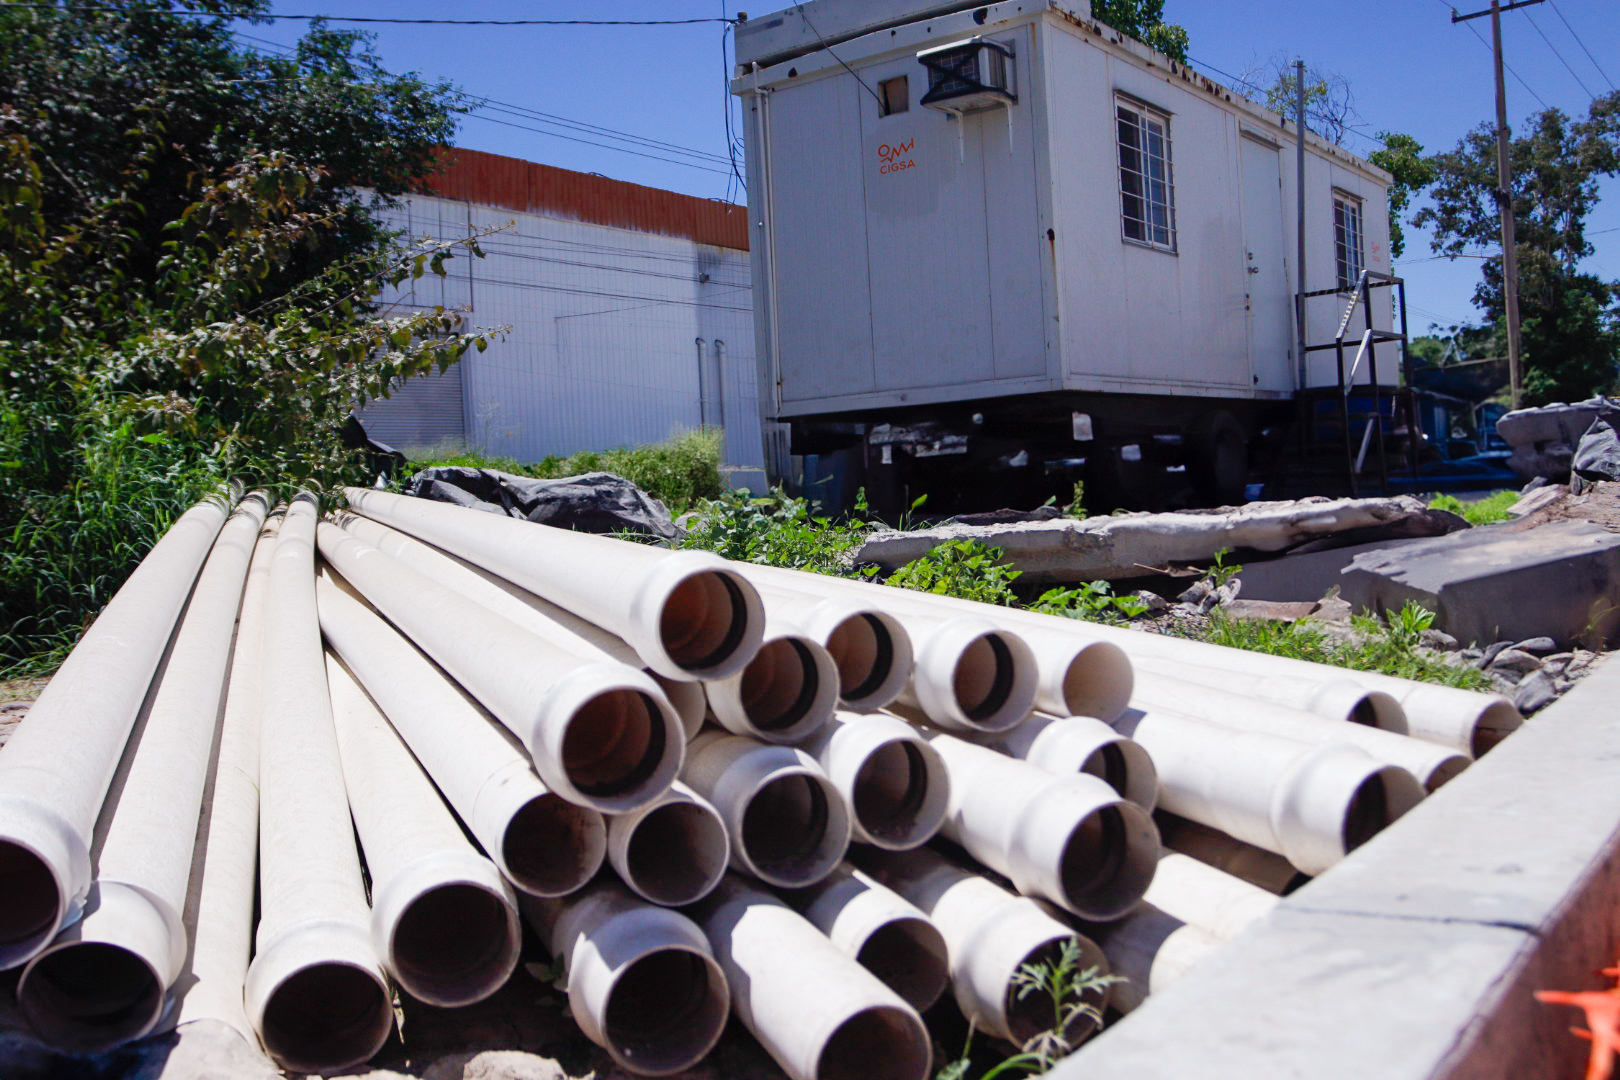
(1349, 223)
(886, 104)
(1158, 232)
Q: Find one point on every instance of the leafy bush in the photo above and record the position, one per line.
(966, 569)
(1487, 511)
(775, 531)
(1093, 601)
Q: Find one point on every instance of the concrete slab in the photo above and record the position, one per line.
(1560, 580)
(1307, 575)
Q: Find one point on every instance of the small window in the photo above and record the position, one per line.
(1146, 190)
(894, 96)
(1347, 239)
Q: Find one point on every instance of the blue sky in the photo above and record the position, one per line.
(1410, 68)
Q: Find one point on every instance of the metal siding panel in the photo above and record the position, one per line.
(422, 412)
(1014, 244)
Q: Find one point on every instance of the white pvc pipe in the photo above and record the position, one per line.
(1152, 950)
(1197, 893)
(443, 921)
(670, 852)
(224, 875)
(1075, 675)
(56, 768)
(315, 992)
(132, 936)
(538, 616)
(879, 930)
(787, 823)
(819, 1014)
(872, 650)
(1311, 804)
(688, 614)
(1265, 870)
(1084, 744)
(785, 694)
(1067, 838)
(642, 981)
(892, 780)
(1339, 699)
(991, 935)
(545, 845)
(601, 733)
(1432, 765)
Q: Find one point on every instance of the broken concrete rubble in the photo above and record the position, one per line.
(1544, 439)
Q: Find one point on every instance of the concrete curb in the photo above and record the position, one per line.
(1415, 958)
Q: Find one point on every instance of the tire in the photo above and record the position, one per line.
(1217, 451)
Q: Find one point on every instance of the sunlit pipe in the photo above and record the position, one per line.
(991, 935)
(1311, 804)
(787, 823)
(1267, 871)
(443, 921)
(1432, 765)
(1084, 744)
(688, 614)
(785, 694)
(1197, 893)
(879, 930)
(1459, 719)
(892, 780)
(1336, 699)
(1151, 950)
(1075, 675)
(315, 993)
(544, 844)
(538, 616)
(132, 935)
(1070, 839)
(819, 1014)
(872, 650)
(672, 851)
(601, 734)
(57, 766)
(643, 983)
(224, 876)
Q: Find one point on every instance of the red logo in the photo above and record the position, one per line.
(896, 158)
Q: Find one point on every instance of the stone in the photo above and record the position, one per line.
(1492, 651)
(1269, 609)
(1536, 645)
(1534, 692)
(1156, 604)
(1439, 639)
(1597, 455)
(1195, 593)
(1332, 609)
(1514, 660)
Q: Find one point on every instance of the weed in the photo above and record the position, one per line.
(1222, 572)
(777, 531)
(1093, 601)
(966, 569)
(1487, 511)
(1076, 510)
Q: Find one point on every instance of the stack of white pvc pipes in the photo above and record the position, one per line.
(691, 776)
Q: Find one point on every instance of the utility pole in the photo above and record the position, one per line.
(1299, 201)
(1504, 193)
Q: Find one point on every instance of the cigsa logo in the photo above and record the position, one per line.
(896, 158)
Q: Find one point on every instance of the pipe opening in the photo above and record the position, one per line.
(1364, 712)
(665, 1011)
(1444, 773)
(787, 831)
(677, 853)
(1098, 681)
(880, 1041)
(552, 847)
(454, 945)
(326, 1017)
(863, 650)
(1369, 812)
(1497, 722)
(32, 904)
(614, 744)
(86, 997)
(984, 677)
(908, 956)
(779, 686)
(1108, 764)
(1030, 1014)
(703, 620)
(1102, 873)
(890, 790)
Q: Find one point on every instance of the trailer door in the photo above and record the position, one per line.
(1271, 336)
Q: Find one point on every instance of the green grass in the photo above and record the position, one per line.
(1490, 510)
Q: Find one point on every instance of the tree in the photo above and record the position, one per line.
(1571, 319)
(1143, 20)
(1401, 157)
(1330, 104)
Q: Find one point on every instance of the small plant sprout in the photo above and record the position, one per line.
(1222, 572)
(966, 569)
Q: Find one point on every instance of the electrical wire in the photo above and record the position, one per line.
(94, 9)
(1554, 5)
(1481, 38)
(1537, 27)
(805, 15)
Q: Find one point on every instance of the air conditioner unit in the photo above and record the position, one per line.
(969, 76)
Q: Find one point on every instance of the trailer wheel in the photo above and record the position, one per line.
(1218, 458)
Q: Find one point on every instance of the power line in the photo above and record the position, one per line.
(91, 10)
(805, 15)
(604, 146)
(1481, 38)
(1537, 27)
(491, 105)
(1554, 5)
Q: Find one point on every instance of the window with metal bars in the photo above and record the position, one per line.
(1146, 184)
(1347, 239)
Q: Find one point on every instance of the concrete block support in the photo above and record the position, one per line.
(1415, 958)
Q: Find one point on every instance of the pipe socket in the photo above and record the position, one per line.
(1069, 839)
(318, 997)
(879, 930)
(642, 982)
(671, 852)
(787, 823)
(871, 649)
(892, 780)
(971, 676)
(819, 1014)
(991, 935)
(1084, 744)
(785, 694)
(1197, 893)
